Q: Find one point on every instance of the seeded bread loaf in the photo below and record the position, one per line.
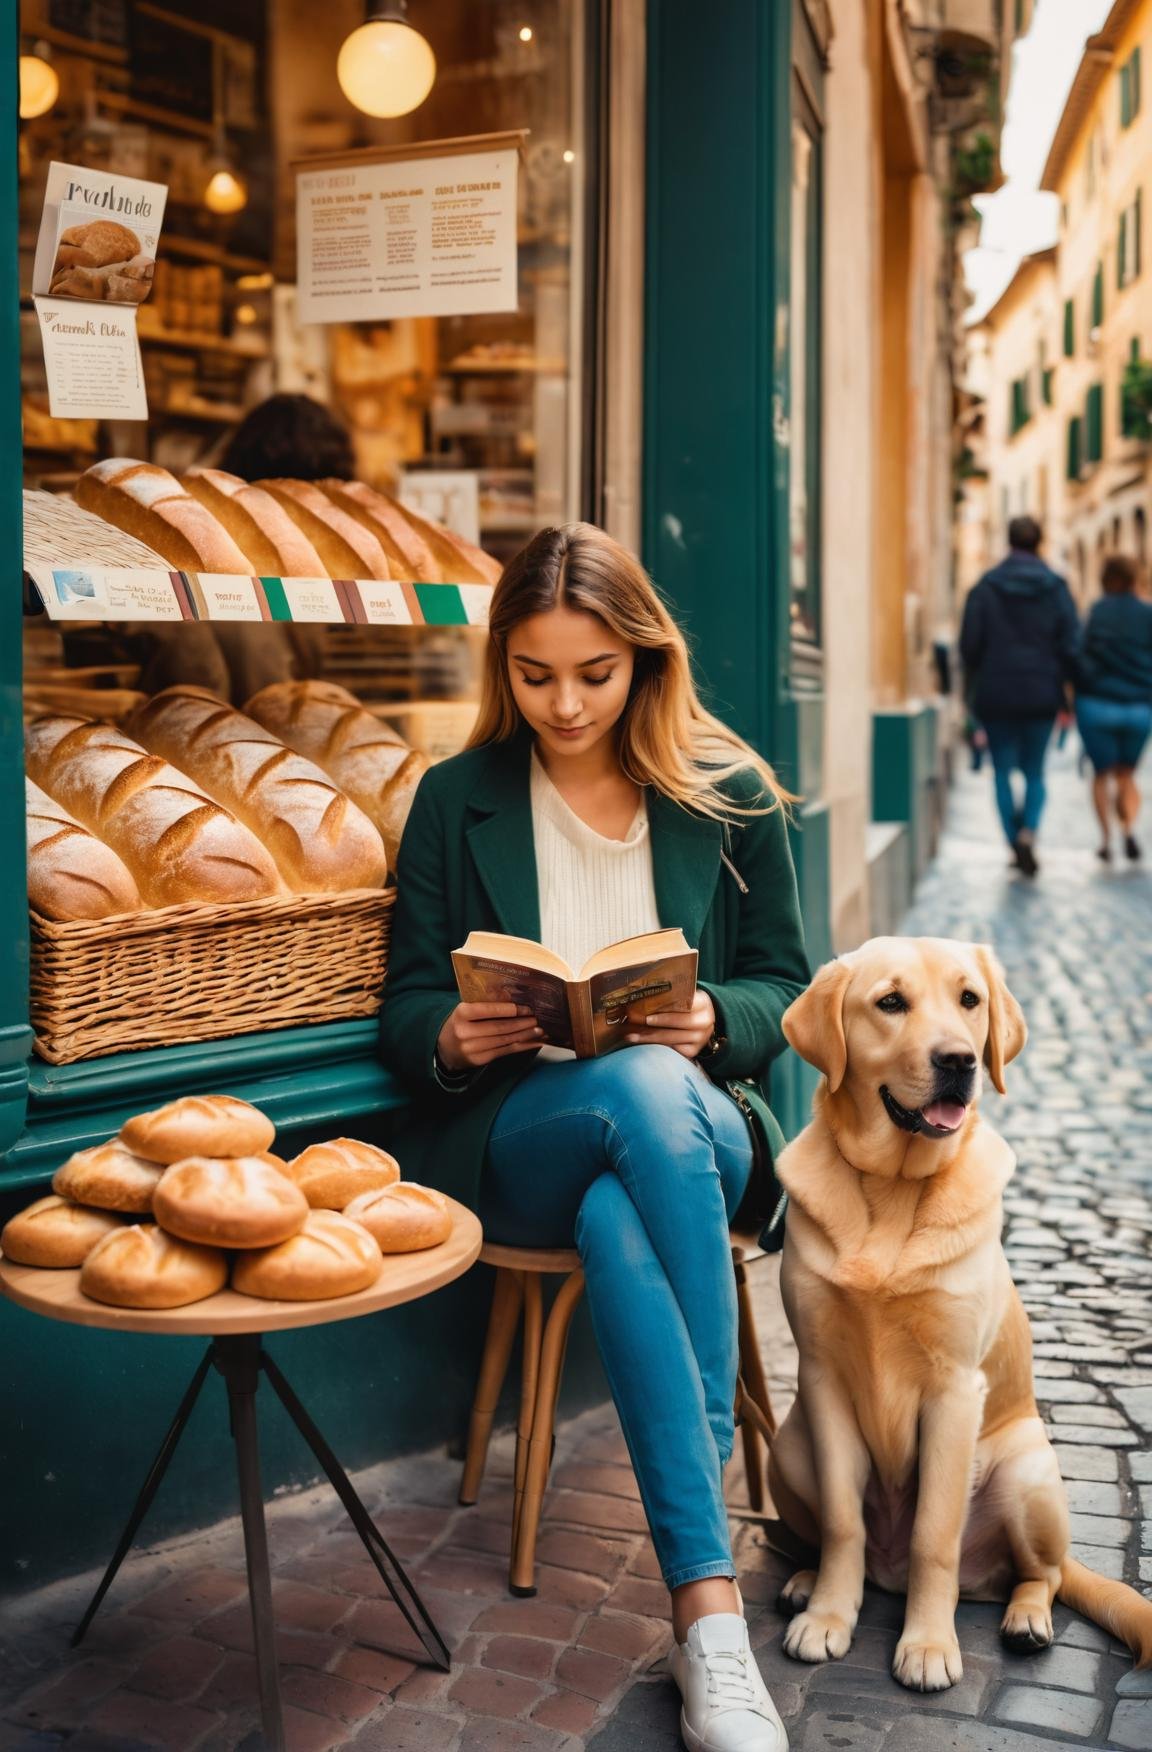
(149, 503)
(260, 527)
(177, 843)
(71, 873)
(321, 842)
(347, 549)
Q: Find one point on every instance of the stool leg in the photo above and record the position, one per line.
(506, 1300)
(539, 1460)
(529, 1376)
(756, 1389)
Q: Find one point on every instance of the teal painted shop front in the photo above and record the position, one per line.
(82, 1410)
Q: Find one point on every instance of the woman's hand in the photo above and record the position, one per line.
(475, 1034)
(688, 1031)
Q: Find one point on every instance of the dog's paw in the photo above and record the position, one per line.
(818, 1636)
(1025, 1629)
(795, 1595)
(927, 1666)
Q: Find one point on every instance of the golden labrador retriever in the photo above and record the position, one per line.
(914, 1454)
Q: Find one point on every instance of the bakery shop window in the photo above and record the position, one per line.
(464, 433)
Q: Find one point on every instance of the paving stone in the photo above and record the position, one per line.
(1039, 1708)
(827, 1730)
(1100, 1529)
(837, 1679)
(407, 1730)
(1091, 1463)
(151, 1721)
(1105, 1560)
(1086, 1497)
(1131, 1724)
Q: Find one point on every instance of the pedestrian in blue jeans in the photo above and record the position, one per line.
(1114, 700)
(598, 800)
(1018, 644)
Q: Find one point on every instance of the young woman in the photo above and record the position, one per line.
(596, 800)
(1114, 700)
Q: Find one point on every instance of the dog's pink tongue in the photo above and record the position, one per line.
(945, 1115)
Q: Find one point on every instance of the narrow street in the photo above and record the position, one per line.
(1077, 949)
(167, 1665)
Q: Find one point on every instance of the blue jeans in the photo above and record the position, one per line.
(1019, 745)
(642, 1161)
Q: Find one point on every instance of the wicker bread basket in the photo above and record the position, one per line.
(178, 974)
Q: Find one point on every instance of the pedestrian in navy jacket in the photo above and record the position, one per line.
(1018, 644)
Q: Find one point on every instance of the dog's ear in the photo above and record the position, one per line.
(814, 1024)
(1007, 1029)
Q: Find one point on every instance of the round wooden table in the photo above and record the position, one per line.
(236, 1325)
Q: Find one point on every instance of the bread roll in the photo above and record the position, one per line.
(347, 549)
(459, 561)
(178, 844)
(239, 1202)
(409, 557)
(330, 1256)
(259, 526)
(96, 243)
(111, 1177)
(199, 1125)
(403, 1218)
(55, 1232)
(321, 841)
(150, 503)
(142, 1267)
(360, 752)
(331, 1175)
(72, 874)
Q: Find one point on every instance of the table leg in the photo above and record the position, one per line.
(238, 1360)
(388, 1565)
(147, 1492)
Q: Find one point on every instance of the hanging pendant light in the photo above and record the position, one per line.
(386, 68)
(225, 191)
(39, 83)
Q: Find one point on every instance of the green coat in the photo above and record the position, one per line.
(468, 863)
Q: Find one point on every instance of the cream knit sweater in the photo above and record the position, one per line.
(593, 890)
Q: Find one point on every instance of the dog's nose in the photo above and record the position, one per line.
(954, 1061)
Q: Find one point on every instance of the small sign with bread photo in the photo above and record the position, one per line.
(98, 236)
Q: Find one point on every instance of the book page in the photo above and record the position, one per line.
(649, 946)
(520, 950)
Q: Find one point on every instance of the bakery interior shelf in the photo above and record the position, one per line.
(203, 343)
(323, 1076)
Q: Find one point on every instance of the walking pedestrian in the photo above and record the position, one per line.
(598, 800)
(1114, 699)
(1018, 644)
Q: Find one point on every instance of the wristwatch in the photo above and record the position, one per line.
(714, 1045)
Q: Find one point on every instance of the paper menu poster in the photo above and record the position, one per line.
(98, 236)
(408, 236)
(92, 360)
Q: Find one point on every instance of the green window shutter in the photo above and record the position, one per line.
(1046, 385)
(1094, 424)
(1069, 328)
(1121, 241)
(1134, 349)
(1125, 95)
(1098, 296)
(1137, 227)
(1134, 83)
(1074, 432)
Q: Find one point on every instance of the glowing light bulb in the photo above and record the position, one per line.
(386, 68)
(39, 87)
(569, 156)
(526, 33)
(226, 192)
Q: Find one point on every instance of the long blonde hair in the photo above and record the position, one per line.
(665, 738)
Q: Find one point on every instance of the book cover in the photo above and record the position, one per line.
(591, 1011)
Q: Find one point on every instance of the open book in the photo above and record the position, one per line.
(590, 1011)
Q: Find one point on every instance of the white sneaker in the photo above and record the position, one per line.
(726, 1703)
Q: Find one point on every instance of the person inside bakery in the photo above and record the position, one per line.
(284, 436)
(598, 799)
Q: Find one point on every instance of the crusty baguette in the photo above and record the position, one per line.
(409, 555)
(321, 841)
(71, 873)
(362, 753)
(347, 549)
(149, 503)
(257, 524)
(178, 845)
(460, 561)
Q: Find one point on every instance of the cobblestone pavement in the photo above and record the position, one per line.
(1077, 948)
(167, 1668)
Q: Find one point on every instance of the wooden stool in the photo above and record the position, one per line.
(518, 1274)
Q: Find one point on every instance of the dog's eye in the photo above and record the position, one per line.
(892, 1003)
(970, 1000)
